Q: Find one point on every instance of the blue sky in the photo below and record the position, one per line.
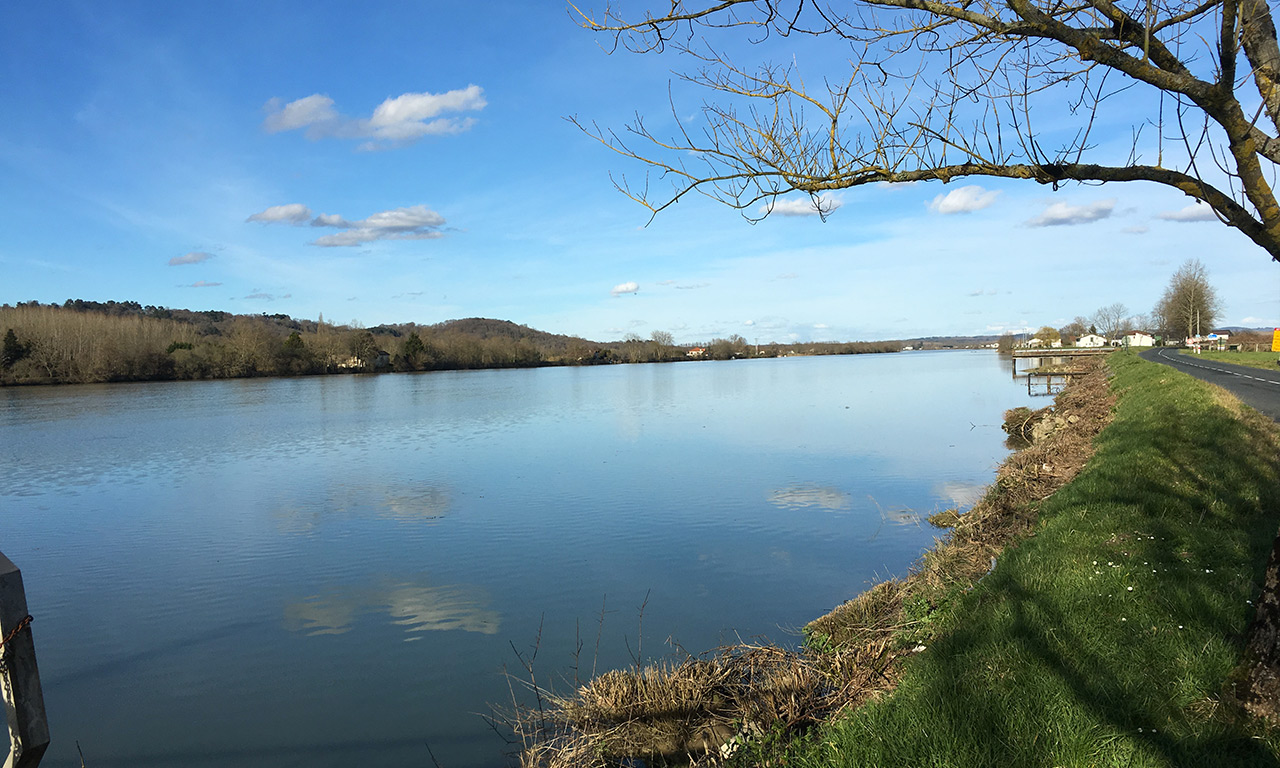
(412, 162)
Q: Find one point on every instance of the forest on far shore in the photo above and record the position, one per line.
(88, 341)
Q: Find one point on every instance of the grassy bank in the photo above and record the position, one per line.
(1089, 610)
(1109, 637)
(1265, 360)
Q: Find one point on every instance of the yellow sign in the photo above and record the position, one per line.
(1275, 341)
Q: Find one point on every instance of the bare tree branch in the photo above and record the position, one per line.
(943, 89)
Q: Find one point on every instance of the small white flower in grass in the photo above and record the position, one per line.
(1179, 626)
(1139, 730)
(1130, 589)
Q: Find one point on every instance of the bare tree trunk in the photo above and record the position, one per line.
(1260, 691)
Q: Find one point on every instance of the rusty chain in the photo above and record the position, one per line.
(4, 658)
(26, 622)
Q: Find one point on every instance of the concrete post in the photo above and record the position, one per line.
(20, 682)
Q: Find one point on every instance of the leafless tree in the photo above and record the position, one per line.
(663, 338)
(1189, 304)
(1077, 327)
(945, 89)
(1111, 320)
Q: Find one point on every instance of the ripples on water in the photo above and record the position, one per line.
(326, 570)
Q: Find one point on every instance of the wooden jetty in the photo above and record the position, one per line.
(1062, 353)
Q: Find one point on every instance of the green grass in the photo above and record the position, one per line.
(1252, 359)
(1108, 638)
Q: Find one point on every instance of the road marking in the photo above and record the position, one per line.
(1181, 360)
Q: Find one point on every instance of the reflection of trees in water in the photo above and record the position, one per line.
(806, 496)
(427, 503)
(416, 607)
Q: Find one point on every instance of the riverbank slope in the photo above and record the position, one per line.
(1091, 609)
(1110, 636)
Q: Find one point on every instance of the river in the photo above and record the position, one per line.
(333, 570)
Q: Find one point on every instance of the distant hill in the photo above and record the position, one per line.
(488, 328)
(959, 342)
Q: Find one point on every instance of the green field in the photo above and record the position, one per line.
(1108, 638)
(1253, 359)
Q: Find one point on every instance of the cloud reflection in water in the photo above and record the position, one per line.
(961, 494)
(805, 496)
(416, 607)
(425, 504)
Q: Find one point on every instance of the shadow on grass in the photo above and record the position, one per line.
(1108, 638)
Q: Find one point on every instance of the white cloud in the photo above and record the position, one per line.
(395, 122)
(203, 284)
(293, 213)
(748, 322)
(787, 276)
(331, 220)
(1193, 212)
(195, 257)
(1136, 229)
(964, 200)
(1261, 322)
(627, 287)
(416, 222)
(802, 206)
(1064, 214)
(314, 110)
(692, 286)
(821, 326)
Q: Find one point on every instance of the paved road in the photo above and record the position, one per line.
(1255, 386)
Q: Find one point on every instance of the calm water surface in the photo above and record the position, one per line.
(327, 571)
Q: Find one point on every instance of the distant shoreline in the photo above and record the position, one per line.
(92, 342)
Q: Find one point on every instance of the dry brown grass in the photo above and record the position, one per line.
(694, 710)
(1005, 514)
(697, 709)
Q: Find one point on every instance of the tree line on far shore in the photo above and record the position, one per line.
(84, 341)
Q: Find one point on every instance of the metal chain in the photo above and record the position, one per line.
(4, 652)
(4, 678)
(4, 673)
(26, 621)
(6, 682)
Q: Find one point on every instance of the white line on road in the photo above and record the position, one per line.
(1181, 360)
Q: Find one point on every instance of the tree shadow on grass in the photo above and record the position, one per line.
(1040, 668)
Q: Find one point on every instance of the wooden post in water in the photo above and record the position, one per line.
(19, 678)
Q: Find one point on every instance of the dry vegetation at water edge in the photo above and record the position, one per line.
(706, 708)
(1103, 624)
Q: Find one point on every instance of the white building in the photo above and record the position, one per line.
(1139, 339)
(1091, 340)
